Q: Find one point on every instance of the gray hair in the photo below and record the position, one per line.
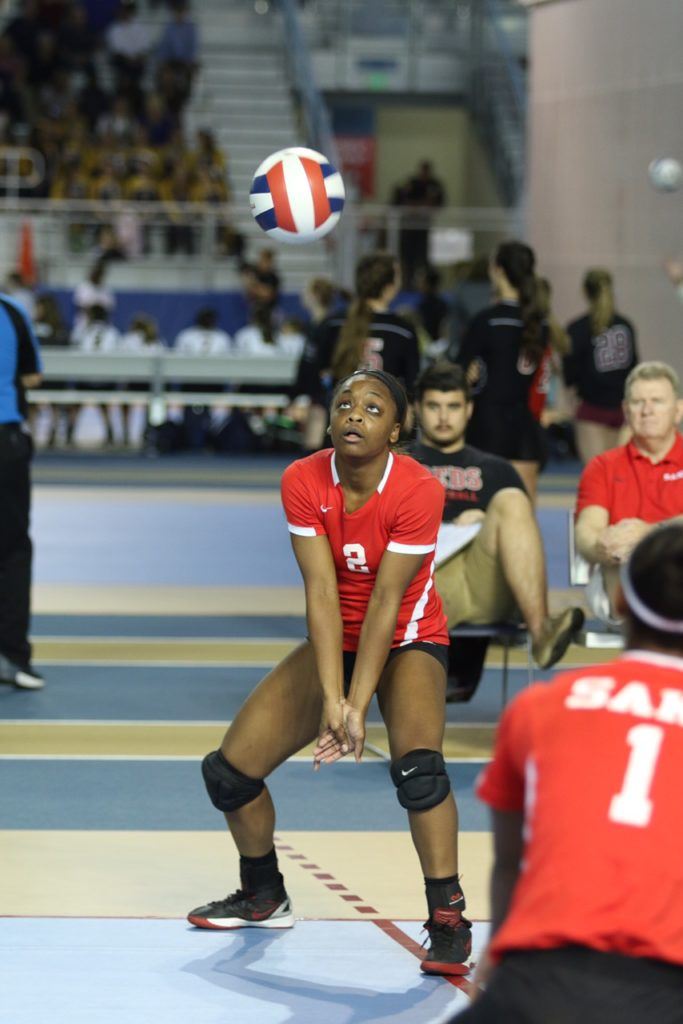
(652, 371)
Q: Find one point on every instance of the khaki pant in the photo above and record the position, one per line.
(473, 588)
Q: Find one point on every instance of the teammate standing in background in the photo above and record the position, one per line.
(363, 522)
(587, 884)
(603, 353)
(501, 352)
(371, 336)
(20, 368)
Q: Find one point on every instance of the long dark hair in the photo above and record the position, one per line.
(374, 273)
(598, 289)
(517, 261)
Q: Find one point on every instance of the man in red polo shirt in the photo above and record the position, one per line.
(628, 491)
(584, 787)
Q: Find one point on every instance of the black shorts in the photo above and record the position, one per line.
(438, 651)
(563, 986)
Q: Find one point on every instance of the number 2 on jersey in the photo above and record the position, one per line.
(633, 806)
(355, 558)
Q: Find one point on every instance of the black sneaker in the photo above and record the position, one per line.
(23, 678)
(451, 943)
(243, 910)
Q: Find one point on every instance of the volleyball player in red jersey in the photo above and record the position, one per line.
(363, 522)
(585, 787)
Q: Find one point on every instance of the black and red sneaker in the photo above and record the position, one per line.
(450, 944)
(245, 910)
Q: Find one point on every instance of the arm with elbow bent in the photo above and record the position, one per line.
(325, 628)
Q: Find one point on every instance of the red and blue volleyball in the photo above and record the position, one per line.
(296, 196)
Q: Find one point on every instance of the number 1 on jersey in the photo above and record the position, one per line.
(632, 806)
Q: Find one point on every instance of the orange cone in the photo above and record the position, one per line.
(27, 264)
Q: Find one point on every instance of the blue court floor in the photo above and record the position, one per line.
(164, 590)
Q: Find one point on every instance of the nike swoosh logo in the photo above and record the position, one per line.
(326, 508)
(413, 769)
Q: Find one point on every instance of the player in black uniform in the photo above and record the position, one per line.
(603, 353)
(501, 351)
(371, 336)
(501, 573)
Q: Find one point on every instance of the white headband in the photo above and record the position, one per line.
(640, 609)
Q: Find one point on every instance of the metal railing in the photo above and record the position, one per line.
(64, 236)
(314, 109)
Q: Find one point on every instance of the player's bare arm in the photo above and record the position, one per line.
(324, 620)
(393, 577)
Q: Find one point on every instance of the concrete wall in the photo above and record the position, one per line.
(407, 134)
(606, 95)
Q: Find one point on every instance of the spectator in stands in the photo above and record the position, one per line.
(602, 354)
(128, 44)
(207, 156)
(24, 30)
(627, 492)
(288, 340)
(262, 291)
(177, 49)
(45, 59)
(92, 292)
(422, 191)
(51, 332)
(92, 100)
(498, 573)
(96, 334)
(117, 125)
(141, 338)
(76, 40)
(174, 191)
(158, 124)
(204, 337)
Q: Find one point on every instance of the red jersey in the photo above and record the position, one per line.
(403, 515)
(628, 485)
(595, 761)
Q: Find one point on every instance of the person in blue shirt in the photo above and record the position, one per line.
(20, 368)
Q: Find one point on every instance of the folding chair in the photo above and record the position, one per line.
(507, 634)
(595, 633)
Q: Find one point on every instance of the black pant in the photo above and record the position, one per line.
(576, 985)
(16, 551)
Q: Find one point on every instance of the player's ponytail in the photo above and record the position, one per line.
(517, 261)
(598, 289)
(374, 274)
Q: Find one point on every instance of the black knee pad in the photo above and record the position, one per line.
(228, 788)
(421, 779)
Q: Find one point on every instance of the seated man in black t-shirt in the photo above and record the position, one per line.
(500, 574)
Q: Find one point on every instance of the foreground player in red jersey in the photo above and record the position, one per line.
(585, 787)
(363, 522)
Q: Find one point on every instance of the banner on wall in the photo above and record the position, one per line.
(354, 130)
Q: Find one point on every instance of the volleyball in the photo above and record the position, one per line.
(296, 196)
(666, 174)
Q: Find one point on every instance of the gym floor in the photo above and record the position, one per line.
(164, 590)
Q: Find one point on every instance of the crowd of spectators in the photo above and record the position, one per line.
(104, 105)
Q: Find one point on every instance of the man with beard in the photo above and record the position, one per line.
(500, 573)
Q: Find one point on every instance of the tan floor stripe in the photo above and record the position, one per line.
(164, 874)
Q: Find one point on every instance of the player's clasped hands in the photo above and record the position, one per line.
(342, 731)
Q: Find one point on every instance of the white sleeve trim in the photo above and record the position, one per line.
(410, 549)
(301, 531)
